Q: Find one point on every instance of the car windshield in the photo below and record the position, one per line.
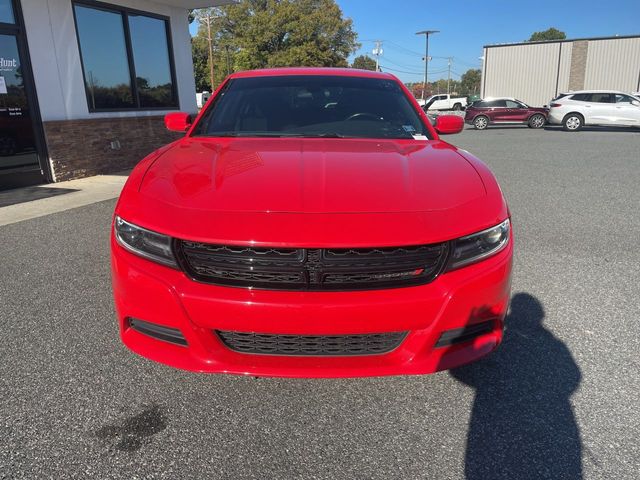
(312, 106)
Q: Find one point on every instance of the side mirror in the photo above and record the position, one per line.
(177, 122)
(448, 124)
(636, 103)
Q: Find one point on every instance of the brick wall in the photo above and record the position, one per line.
(578, 64)
(81, 148)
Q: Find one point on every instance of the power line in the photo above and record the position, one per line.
(400, 47)
(467, 64)
(411, 73)
(398, 64)
(400, 71)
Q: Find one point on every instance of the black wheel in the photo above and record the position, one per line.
(573, 122)
(537, 121)
(481, 122)
(457, 107)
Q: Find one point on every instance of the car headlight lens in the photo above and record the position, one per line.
(473, 248)
(145, 243)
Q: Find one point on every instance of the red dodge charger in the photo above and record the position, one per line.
(311, 223)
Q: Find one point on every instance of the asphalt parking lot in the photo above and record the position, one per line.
(559, 399)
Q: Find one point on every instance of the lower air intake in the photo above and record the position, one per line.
(466, 334)
(311, 345)
(159, 332)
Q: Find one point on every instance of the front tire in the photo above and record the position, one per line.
(481, 122)
(573, 122)
(537, 121)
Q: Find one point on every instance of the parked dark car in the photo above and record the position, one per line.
(492, 111)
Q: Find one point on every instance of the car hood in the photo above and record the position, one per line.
(312, 176)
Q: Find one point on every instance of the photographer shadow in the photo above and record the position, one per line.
(522, 424)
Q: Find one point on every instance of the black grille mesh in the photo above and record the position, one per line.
(311, 345)
(312, 269)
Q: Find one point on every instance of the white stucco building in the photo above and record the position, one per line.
(84, 84)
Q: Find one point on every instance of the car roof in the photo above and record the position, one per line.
(489, 99)
(594, 91)
(338, 72)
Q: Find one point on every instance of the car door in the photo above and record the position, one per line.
(515, 112)
(498, 112)
(626, 112)
(439, 103)
(600, 108)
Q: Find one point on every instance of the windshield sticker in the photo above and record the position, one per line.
(408, 128)
(420, 137)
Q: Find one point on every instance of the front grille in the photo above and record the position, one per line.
(312, 269)
(311, 345)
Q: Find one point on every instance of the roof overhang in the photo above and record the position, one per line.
(196, 3)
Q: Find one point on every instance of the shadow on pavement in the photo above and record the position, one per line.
(28, 194)
(522, 423)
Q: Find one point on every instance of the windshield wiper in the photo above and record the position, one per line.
(326, 135)
(279, 135)
(252, 134)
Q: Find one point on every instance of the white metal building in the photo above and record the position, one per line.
(535, 72)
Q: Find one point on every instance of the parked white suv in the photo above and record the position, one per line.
(594, 107)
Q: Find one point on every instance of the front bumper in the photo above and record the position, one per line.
(164, 296)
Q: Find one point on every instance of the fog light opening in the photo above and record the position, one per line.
(159, 332)
(465, 334)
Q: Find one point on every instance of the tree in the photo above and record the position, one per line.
(206, 18)
(253, 34)
(200, 53)
(364, 63)
(550, 34)
(470, 81)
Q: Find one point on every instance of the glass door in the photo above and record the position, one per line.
(20, 127)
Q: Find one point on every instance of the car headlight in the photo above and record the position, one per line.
(473, 248)
(145, 243)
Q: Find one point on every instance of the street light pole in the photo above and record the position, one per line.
(426, 33)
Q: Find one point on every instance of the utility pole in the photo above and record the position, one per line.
(228, 60)
(426, 33)
(377, 51)
(209, 20)
(207, 16)
(449, 77)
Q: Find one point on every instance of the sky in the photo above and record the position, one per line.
(466, 26)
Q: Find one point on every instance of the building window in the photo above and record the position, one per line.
(126, 58)
(6, 12)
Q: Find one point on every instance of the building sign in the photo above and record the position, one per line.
(8, 64)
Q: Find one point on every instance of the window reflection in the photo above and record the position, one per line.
(17, 141)
(6, 12)
(104, 56)
(104, 46)
(151, 59)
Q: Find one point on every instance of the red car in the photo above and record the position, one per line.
(311, 223)
(501, 111)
